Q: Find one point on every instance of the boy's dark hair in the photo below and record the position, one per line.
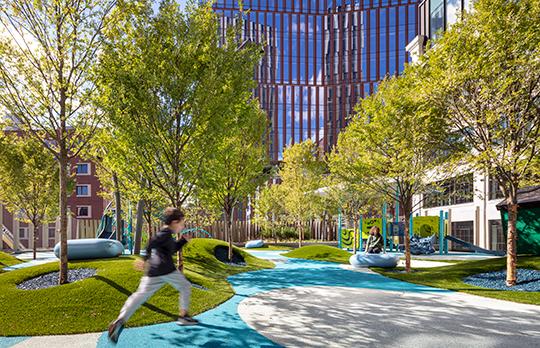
(171, 214)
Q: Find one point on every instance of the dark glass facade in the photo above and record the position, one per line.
(321, 57)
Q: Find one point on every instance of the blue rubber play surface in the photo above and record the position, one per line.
(223, 327)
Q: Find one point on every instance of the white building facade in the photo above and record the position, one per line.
(469, 198)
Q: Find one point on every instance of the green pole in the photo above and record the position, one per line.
(384, 225)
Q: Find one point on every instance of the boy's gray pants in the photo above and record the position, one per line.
(149, 285)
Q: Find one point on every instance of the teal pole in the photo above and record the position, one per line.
(441, 232)
(361, 233)
(384, 225)
(339, 228)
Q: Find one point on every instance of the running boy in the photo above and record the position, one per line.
(159, 270)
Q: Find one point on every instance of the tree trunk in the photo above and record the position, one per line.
(407, 243)
(63, 162)
(355, 241)
(34, 237)
(299, 226)
(228, 228)
(138, 227)
(118, 212)
(511, 253)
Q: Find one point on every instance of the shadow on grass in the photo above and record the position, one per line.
(126, 292)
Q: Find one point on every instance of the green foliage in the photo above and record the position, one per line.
(301, 175)
(28, 179)
(236, 168)
(320, 253)
(451, 278)
(485, 73)
(47, 49)
(169, 91)
(393, 141)
(270, 213)
(90, 305)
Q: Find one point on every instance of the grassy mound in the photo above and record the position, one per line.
(320, 253)
(8, 260)
(451, 278)
(89, 305)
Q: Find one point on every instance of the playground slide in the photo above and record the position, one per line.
(474, 247)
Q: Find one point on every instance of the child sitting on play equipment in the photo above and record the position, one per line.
(374, 244)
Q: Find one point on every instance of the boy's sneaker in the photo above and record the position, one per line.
(187, 320)
(115, 329)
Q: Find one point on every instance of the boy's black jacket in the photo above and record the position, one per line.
(160, 251)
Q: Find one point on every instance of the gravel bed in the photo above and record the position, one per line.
(236, 264)
(51, 279)
(528, 280)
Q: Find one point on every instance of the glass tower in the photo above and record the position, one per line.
(321, 57)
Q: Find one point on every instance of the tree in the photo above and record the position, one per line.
(392, 144)
(485, 73)
(236, 168)
(28, 181)
(270, 213)
(46, 53)
(113, 157)
(352, 199)
(301, 176)
(169, 89)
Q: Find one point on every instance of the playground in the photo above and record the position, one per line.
(298, 303)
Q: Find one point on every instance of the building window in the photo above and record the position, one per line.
(495, 191)
(457, 190)
(84, 211)
(453, 8)
(83, 190)
(52, 232)
(23, 232)
(83, 168)
(497, 238)
(463, 230)
(436, 17)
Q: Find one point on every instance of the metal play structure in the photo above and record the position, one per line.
(393, 233)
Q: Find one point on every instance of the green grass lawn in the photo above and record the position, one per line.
(451, 278)
(270, 247)
(320, 253)
(89, 305)
(8, 260)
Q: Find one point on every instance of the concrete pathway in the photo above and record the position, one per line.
(318, 303)
(41, 258)
(316, 316)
